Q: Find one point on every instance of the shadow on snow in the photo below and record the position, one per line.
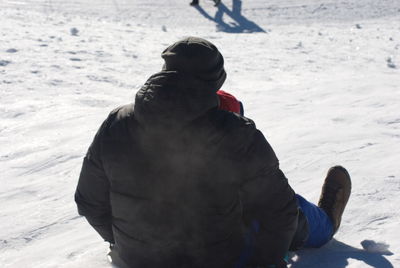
(336, 254)
(240, 25)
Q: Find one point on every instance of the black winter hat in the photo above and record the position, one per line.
(197, 57)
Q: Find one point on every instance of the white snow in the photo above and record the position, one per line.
(321, 79)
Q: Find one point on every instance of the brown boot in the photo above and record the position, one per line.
(335, 194)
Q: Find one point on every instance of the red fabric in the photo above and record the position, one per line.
(228, 102)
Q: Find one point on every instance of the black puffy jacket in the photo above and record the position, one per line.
(175, 182)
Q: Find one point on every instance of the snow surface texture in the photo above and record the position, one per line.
(320, 78)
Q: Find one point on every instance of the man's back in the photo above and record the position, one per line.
(174, 191)
(175, 182)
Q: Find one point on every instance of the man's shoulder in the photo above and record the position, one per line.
(122, 112)
(119, 119)
(234, 130)
(231, 121)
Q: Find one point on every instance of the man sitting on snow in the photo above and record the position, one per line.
(174, 180)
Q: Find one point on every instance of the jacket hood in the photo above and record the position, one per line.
(197, 57)
(171, 98)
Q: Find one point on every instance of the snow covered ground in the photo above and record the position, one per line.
(321, 79)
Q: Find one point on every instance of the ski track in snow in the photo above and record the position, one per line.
(320, 78)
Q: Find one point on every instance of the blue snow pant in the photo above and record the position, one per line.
(319, 225)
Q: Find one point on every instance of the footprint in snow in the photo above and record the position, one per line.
(11, 50)
(74, 31)
(390, 63)
(4, 62)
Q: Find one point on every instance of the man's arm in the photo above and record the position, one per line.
(269, 204)
(93, 191)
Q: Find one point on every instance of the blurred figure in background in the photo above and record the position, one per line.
(196, 2)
